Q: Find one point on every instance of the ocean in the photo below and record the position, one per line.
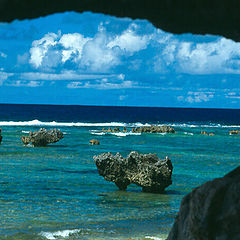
(55, 192)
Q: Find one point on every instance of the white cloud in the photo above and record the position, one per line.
(23, 59)
(3, 55)
(163, 52)
(73, 45)
(40, 48)
(4, 76)
(97, 56)
(196, 97)
(122, 97)
(130, 41)
(65, 75)
(20, 83)
(103, 84)
(220, 56)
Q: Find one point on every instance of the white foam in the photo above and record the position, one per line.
(25, 131)
(56, 235)
(36, 122)
(154, 238)
(202, 125)
(187, 133)
(121, 134)
(162, 133)
(98, 133)
(71, 124)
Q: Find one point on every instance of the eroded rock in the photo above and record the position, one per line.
(154, 129)
(94, 142)
(144, 170)
(211, 211)
(42, 137)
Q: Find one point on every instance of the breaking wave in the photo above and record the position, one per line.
(59, 234)
(37, 122)
(70, 124)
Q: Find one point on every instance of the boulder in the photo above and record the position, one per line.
(144, 170)
(94, 142)
(234, 132)
(211, 211)
(42, 137)
(154, 129)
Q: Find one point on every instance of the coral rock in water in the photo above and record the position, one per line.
(155, 129)
(144, 170)
(94, 142)
(211, 211)
(42, 137)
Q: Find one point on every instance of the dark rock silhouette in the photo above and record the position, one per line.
(200, 17)
(211, 211)
(42, 137)
(144, 170)
(94, 142)
(154, 129)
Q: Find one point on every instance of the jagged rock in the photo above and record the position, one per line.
(144, 170)
(42, 137)
(94, 142)
(211, 211)
(154, 129)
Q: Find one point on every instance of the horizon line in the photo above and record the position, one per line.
(111, 106)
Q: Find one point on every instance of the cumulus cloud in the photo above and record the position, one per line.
(73, 45)
(130, 41)
(95, 54)
(40, 49)
(221, 56)
(134, 50)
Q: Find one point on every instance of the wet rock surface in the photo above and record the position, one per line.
(94, 142)
(154, 129)
(144, 170)
(42, 137)
(211, 211)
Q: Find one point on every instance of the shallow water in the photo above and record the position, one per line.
(55, 192)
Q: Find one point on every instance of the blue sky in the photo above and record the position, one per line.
(95, 59)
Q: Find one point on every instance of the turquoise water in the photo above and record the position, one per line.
(55, 192)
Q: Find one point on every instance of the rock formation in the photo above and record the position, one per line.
(42, 137)
(199, 17)
(94, 142)
(154, 129)
(211, 211)
(233, 132)
(144, 170)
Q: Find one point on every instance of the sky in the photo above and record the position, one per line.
(95, 59)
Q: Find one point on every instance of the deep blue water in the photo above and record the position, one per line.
(21, 112)
(55, 192)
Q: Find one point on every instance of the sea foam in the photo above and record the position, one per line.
(56, 235)
(70, 124)
(118, 134)
(37, 122)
